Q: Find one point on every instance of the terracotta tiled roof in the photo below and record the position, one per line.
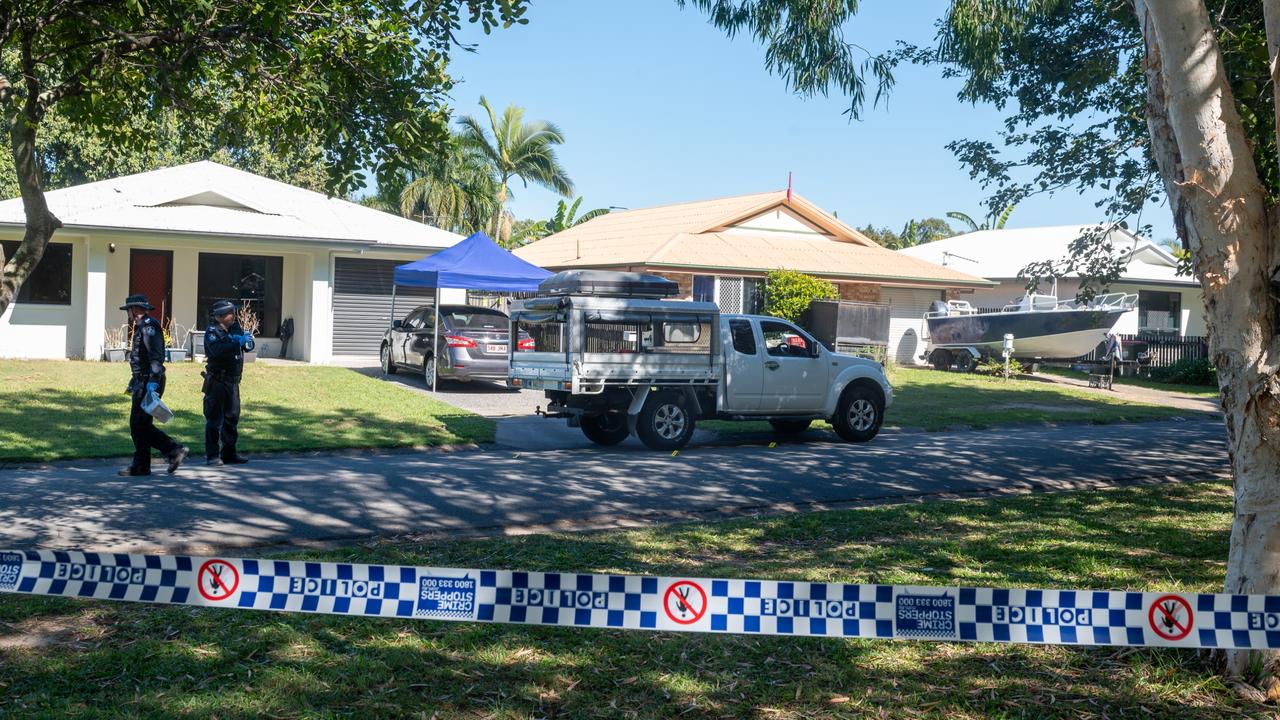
(693, 236)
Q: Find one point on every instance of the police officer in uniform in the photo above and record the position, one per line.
(146, 359)
(224, 346)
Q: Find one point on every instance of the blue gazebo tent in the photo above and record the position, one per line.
(476, 263)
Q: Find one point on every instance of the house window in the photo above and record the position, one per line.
(249, 280)
(704, 288)
(1159, 312)
(50, 282)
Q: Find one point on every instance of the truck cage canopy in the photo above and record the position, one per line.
(607, 283)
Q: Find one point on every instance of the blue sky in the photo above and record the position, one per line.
(657, 107)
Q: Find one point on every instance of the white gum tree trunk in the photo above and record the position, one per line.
(1222, 211)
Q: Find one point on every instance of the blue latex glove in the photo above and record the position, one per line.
(246, 341)
(153, 387)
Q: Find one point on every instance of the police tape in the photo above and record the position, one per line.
(765, 607)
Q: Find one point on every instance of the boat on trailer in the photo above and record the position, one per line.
(1042, 327)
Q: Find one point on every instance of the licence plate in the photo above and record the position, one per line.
(495, 349)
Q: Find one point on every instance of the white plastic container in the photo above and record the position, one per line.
(155, 407)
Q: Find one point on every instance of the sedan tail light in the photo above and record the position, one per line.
(459, 341)
(525, 344)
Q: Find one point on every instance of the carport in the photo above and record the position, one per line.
(476, 263)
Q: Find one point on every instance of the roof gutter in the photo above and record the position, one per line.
(345, 244)
(941, 282)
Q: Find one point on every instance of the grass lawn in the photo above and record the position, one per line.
(933, 400)
(51, 410)
(1206, 391)
(120, 660)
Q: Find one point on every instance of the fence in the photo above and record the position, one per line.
(1163, 350)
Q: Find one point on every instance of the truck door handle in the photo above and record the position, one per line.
(772, 364)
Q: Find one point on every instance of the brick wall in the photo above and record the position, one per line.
(860, 292)
(684, 280)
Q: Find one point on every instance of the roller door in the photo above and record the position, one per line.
(907, 331)
(362, 303)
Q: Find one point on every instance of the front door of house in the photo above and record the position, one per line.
(151, 274)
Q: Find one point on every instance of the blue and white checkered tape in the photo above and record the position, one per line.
(766, 607)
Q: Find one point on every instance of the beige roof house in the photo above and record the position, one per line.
(745, 233)
(721, 249)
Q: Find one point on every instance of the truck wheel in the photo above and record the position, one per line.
(607, 429)
(664, 422)
(941, 360)
(858, 414)
(388, 367)
(790, 427)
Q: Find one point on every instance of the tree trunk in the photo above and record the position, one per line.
(502, 207)
(40, 222)
(1227, 223)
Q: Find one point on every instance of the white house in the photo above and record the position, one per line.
(188, 235)
(1168, 303)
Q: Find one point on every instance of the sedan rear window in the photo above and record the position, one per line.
(475, 318)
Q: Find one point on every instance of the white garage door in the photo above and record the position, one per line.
(906, 322)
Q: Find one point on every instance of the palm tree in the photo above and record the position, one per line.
(458, 193)
(567, 216)
(517, 149)
(994, 221)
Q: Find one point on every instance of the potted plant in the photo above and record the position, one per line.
(248, 321)
(175, 341)
(115, 344)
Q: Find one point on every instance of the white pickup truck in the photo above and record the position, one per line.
(615, 358)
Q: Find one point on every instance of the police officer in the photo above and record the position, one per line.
(224, 346)
(146, 359)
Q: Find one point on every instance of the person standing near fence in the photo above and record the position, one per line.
(146, 360)
(224, 346)
(1114, 351)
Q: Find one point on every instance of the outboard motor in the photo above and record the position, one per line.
(939, 307)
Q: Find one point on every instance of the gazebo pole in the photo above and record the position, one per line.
(391, 321)
(435, 339)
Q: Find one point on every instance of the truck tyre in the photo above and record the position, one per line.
(859, 414)
(607, 429)
(388, 367)
(790, 427)
(665, 422)
(941, 360)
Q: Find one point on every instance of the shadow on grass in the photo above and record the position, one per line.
(60, 424)
(158, 662)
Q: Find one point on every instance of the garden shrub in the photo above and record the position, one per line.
(787, 293)
(1187, 371)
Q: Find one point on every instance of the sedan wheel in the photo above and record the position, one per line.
(429, 373)
(388, 367)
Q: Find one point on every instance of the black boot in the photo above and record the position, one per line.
(132, 471)
(234, 458)
(176, 457)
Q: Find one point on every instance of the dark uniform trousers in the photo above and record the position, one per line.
(221, 414)
(143, 430)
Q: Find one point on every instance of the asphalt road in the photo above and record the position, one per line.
(332, 497)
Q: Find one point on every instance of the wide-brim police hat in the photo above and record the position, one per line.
(139, 301)
(222, 307)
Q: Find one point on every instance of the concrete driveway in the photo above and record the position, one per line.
(289, 499)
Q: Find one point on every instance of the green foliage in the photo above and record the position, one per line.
(456, 192)
(915, 232)
(366, 82)
(567, 216)
(68, 156)
(515, 148)
(805, 45)
(1187, 371)
(995, 366)
(787, 293)
(994, 220)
